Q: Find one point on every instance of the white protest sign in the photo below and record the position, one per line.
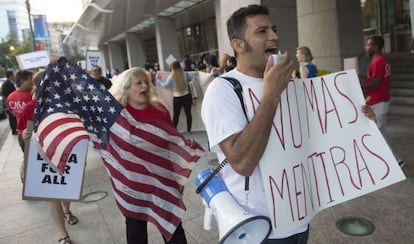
(170, 59)
(33, 60)
(93, 58)
(43, 182)
(322, 149)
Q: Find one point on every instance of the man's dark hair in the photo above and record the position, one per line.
(378, 42)
(9, 74)
(236, 24)
(22, 76)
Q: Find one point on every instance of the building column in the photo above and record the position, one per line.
(223, 10)
(283, 14)
(167, 41)
(135, 50)
(106, 60)
(331, 29)
(115, 56)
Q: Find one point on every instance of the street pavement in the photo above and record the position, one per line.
(391, 209)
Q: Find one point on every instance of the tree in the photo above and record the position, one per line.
(76, 58)
(10, 48)
(6, 48)
(368, 13)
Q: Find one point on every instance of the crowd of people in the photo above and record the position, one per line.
(233, 138)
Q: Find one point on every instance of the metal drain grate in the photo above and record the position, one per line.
(355, 226)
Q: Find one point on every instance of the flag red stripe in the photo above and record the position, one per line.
(150, 157)
(158, 140)
(53, 124)
(66, 153)
(164, 214)
(58, 137)
(141, 187)
(140, 168)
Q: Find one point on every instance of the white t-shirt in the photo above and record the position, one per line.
(223, 116)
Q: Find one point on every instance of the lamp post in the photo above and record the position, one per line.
(30, 23)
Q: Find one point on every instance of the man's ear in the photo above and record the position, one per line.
(237, 45)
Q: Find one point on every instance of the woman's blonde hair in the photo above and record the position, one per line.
(124, 81)
(307, 54)
(178, 76)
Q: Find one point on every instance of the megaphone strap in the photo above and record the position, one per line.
(238, 89)
(215, 172)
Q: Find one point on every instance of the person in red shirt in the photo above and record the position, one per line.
(60, 210)
(376, 85)
(22, 95)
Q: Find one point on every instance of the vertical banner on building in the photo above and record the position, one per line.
(93, 58)
(41, 29)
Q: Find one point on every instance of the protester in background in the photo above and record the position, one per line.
(223, 63)
(306, 68)
(156, 67)
(202, 63)
(60, 210)
(376, 85)
(22, 95)
(187, 64)
(7, 88)
(151, 72)
(231, 64)
(108, 73)
(115, 73)
(213, 66)
(181, 93)
(97, 75)
(134, 91)
(253, 38)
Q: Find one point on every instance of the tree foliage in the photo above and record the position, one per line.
(76, 58)
(10, 48)
(368, 13)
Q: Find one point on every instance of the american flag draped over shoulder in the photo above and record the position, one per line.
(148, 163)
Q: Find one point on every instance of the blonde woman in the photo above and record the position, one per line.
(60, 210)
(134, 91)
(181, 93)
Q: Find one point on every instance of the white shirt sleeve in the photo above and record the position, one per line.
(221, 112)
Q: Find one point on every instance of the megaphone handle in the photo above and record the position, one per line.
(208, 214)
(215, 171)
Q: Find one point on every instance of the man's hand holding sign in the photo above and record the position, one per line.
(323, 149)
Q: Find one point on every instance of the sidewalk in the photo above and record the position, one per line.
(391, 210)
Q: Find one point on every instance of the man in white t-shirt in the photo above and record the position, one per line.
(254, 39)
